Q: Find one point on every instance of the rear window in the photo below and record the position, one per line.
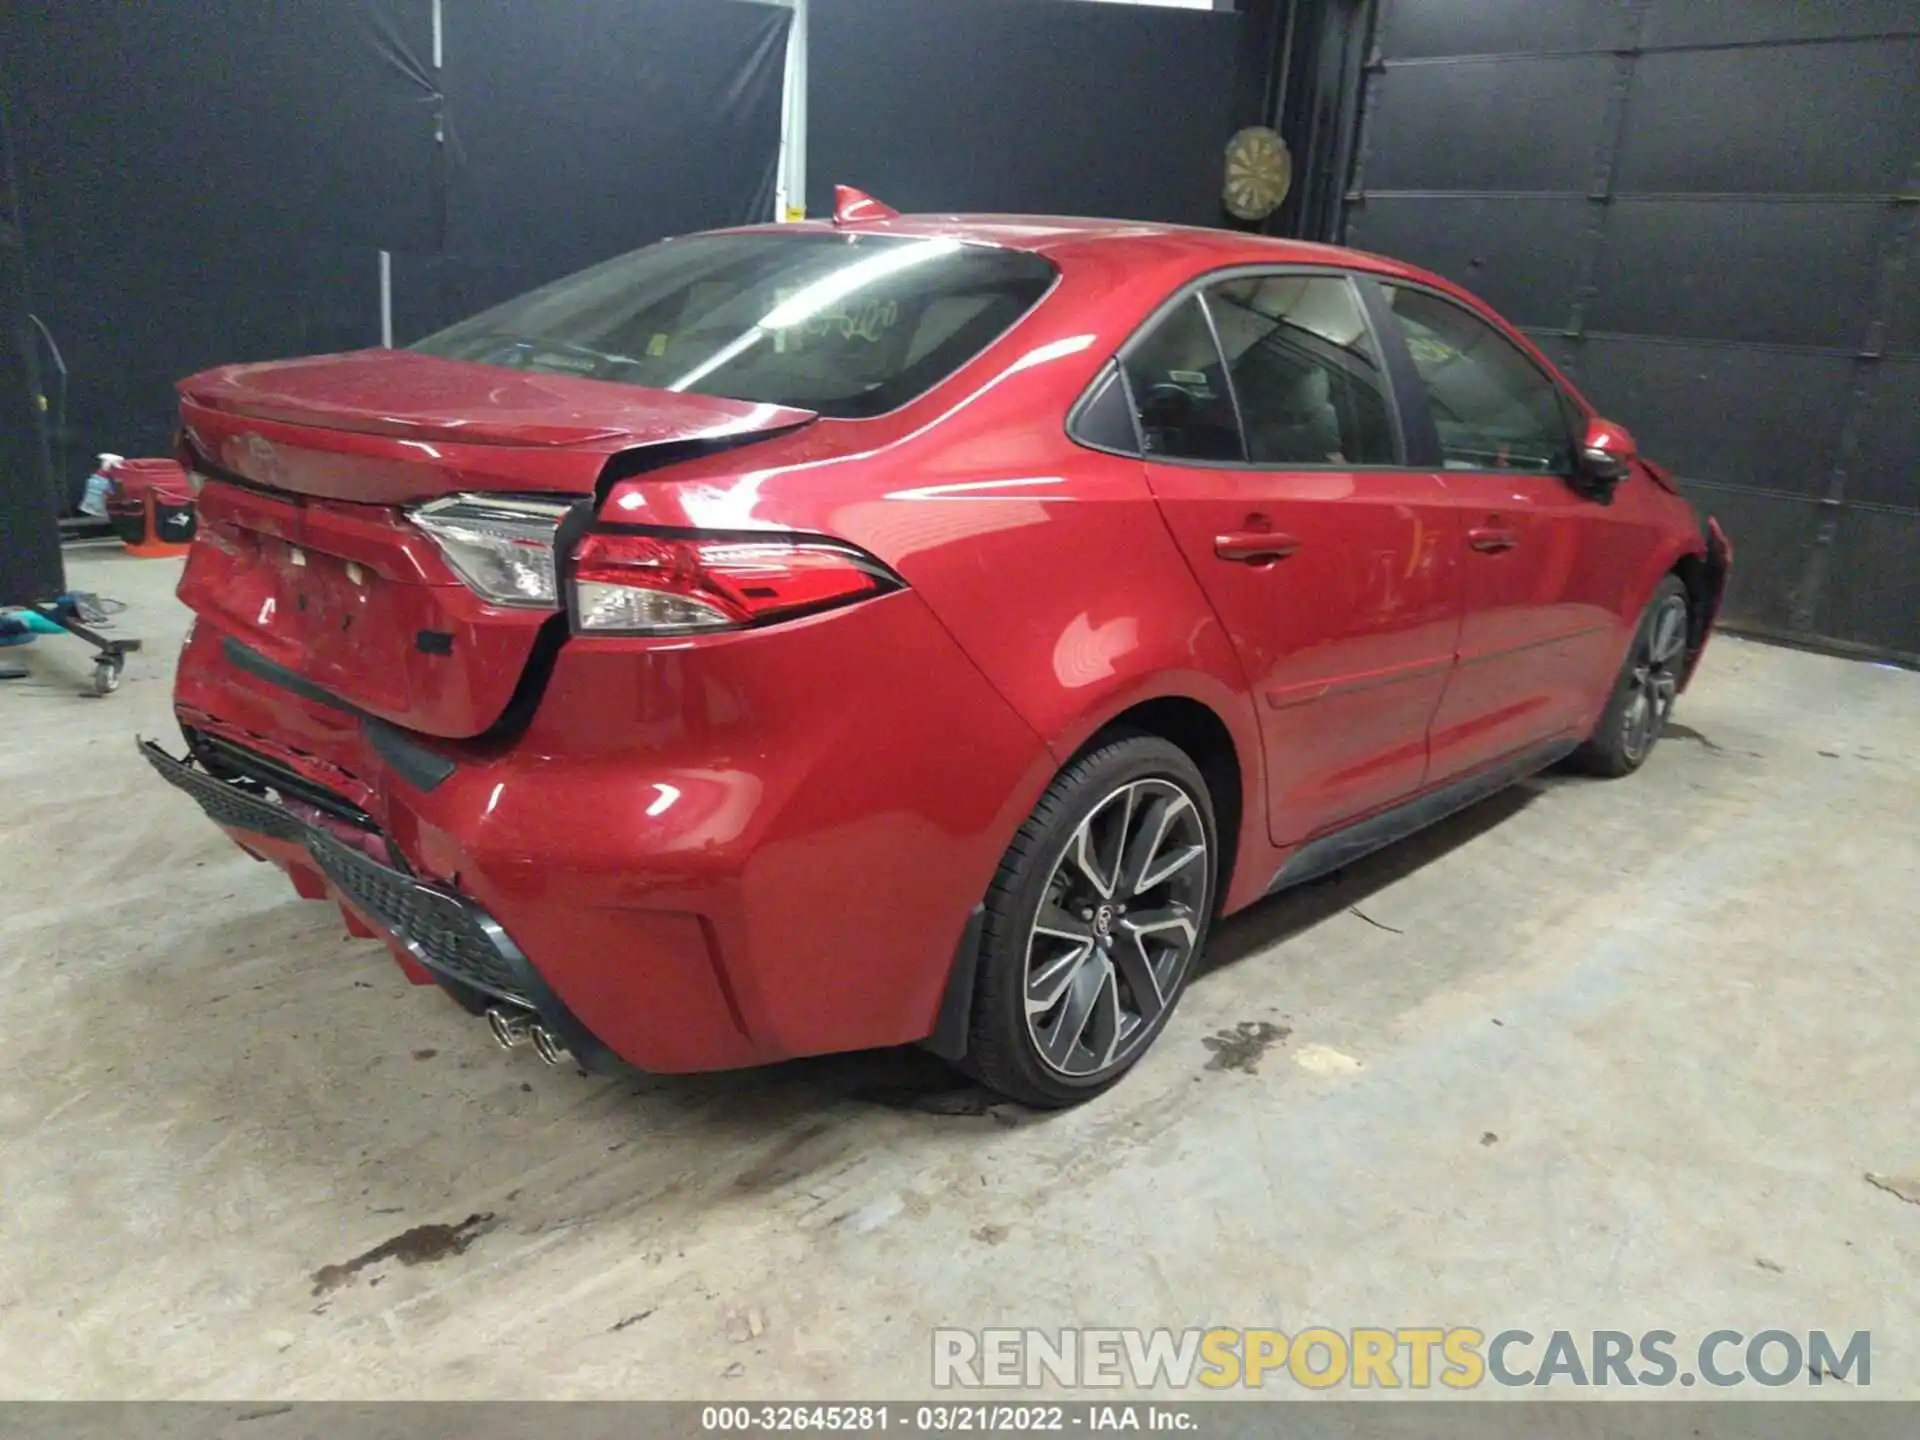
(846, 325)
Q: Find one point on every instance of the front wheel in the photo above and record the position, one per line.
(1643, 696)
(1093, 923)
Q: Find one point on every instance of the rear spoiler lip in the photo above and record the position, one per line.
(517, 434)
(254, 392)
(591, 472)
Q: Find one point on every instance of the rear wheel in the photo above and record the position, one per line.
(1643, 696)
(1093, 923)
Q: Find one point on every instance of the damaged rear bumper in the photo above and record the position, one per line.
(445, 932)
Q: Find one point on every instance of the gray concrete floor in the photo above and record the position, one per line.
(1600, 1055)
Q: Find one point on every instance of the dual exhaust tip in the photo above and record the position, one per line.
(513, 1028)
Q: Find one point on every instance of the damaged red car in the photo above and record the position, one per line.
(885, 630)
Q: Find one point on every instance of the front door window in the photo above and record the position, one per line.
(1492, 407)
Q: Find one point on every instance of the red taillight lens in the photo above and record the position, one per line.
(649, 584)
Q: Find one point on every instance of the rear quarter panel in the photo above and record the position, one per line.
(1047, 562)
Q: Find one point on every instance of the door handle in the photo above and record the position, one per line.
(1254, 547)
(1491, 538)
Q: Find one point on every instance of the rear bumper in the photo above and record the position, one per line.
(712, 855)
(442, 930)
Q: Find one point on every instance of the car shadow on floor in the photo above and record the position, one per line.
(910, 1079)
(813, 1136)
(1280, 917)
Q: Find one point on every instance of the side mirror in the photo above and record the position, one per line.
(1606, 454)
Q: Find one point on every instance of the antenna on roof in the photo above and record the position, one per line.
(850, 206)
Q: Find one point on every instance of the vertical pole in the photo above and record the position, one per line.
(440, 138)
(386, 300)
(1278, 108)
(790, 179)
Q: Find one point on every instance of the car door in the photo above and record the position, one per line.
(1271, 441)
(1540, 568)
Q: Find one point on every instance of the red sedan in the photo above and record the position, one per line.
(904, 629)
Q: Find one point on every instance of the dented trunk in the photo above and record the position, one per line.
(309, 556)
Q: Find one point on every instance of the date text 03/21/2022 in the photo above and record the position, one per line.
(944, 1419)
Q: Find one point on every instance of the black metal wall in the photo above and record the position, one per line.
(30, 566)
(576, 132)
(213, 180)
(1021, 105)
(1706, 211)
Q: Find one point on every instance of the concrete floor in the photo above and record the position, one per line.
(1621, 1056)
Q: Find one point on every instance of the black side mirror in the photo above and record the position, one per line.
(1604, 466)
(1605, 458)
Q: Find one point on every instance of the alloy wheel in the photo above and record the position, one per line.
(1655, 680)
(1116, 927)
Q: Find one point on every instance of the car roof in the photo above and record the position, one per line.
(1061, 237)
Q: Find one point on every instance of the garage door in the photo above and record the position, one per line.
(1706, 211)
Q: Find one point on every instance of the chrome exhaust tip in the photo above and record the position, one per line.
(547, 1045)
(511, 1027)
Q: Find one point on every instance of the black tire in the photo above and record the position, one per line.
(1643, 695)
(1004, 1044)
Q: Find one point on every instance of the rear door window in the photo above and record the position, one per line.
(845, 325)
(1180, 390)
(1305, 371)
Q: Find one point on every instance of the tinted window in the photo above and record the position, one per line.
(1492, 406)
(1105, 418)
(1179, 389)
(847, 325)
(1304, 370)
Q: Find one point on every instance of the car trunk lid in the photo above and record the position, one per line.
(310, 560)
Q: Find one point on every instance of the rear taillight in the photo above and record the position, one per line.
(669, 584)
(629, 582)
(501, 546)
